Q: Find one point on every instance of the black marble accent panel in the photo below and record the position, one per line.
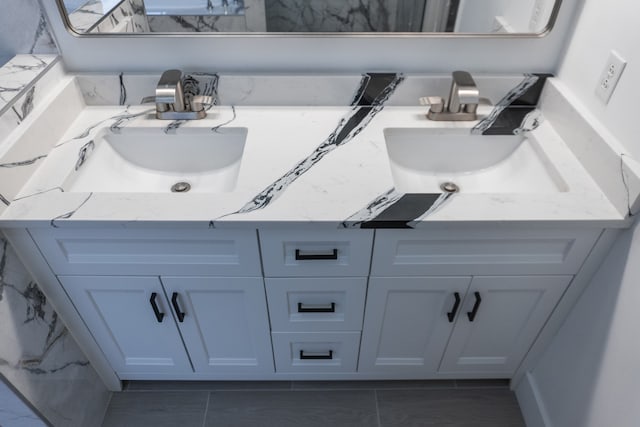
(408, 208)
(513, 115)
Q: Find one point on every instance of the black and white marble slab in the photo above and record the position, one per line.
(14, 412)
(315, 153)
(19, 73)
(24, 30)
(37, 355)
(331, 15)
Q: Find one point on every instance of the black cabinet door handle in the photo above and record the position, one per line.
(176, 307)
(472, 314)
(316, 309)
(327, 356)
(311, 257)
(452, 314)
(154, 306)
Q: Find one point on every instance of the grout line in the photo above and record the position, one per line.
(206, 409)
(375, 396)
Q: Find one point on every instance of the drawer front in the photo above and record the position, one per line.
(154, 252)
(316, 304)
(316, 253)
(490, 252)
(316, 351)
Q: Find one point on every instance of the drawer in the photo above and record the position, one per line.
(316, 253)
(316, 304)
(153, 252)
(487, 252)
(315, 351)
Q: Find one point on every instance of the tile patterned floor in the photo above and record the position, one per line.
(315, 403)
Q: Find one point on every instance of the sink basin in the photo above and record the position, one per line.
(150, 160)
(422, 160)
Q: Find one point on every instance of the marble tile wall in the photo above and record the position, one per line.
(24, 30)
(38, 357)
(331, 15)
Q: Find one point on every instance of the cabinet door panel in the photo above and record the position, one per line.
(406, 323)
(512, 311)
(120, 316)
(225, 326)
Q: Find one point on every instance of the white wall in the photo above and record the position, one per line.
(590, 374)
(604, 26)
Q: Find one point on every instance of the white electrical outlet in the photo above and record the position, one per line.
(610, 76)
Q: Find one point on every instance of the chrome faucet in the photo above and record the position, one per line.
(210, 6)
(462, 104)
(171, 102)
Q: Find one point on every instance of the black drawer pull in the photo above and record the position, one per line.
(316, 309)
(176, 307)
(472, 314)
(452, 314)
(311, 257)
(154, 306)
(328, 356)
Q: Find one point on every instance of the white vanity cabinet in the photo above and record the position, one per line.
(206, 320)
(313, 303)
(132, 321)
(422, 327)
(450, 303)
(316, 285)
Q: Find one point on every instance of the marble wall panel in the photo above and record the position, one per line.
(24, 30)
(38, 357)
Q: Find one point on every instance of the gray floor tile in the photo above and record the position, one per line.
(482, 383)
(449, 407)
(156, 409)
(206, 385)
(371, 385)
(292, 409)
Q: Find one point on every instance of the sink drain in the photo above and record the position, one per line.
(180, 187)
(449, 187)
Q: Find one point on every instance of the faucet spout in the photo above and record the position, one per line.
(464, 95)
(171, 102)
(169, 92)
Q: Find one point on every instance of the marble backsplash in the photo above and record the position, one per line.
(38, 357)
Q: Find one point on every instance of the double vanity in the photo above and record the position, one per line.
(338, 233)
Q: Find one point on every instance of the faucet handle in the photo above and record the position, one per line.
(436, 103)
(201, 102)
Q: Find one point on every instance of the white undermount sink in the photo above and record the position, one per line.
(423, 159)
(149, 160)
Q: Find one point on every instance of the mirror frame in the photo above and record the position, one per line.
(555, 11)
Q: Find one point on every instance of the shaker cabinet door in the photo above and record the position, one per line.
(224, 323)
(408, 321)
(499, 320)
(131, 321)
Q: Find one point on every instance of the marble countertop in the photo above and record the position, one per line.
(321, 165)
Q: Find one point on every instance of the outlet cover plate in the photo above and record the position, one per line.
(610, 76)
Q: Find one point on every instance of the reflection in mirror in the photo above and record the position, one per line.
(311, 16)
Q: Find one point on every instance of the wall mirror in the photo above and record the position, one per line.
(296, 17)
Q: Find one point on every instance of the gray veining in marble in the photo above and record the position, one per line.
(14, 412)
(369, 100)
(331, 15)
(24, 30)
(38, 356)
